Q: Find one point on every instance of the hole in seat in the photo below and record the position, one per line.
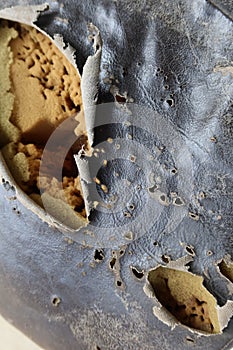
(185, 297)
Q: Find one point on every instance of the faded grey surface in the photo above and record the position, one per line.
(185, 40)
(225, 6)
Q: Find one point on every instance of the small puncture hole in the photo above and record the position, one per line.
(99, 255)
(190, 250)
(194, 216)
(119, 283)
(163, 198)
(165, 258)
(173, 171)
(137, 273)
(153, 189)
(120, 98)
(170, 102)
(112, 263)
(178, 201)
(56, 301)
(190, 340)
(125, 72)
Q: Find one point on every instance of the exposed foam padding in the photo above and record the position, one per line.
(40, 90)
(183, 295)
(226, 268)
(8, 132)
(45, 85)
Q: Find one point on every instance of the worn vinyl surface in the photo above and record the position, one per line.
(174, 58)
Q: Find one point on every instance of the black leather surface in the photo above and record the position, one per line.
(166, 56)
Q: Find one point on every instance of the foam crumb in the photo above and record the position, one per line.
(70, 189)
(17, 163)
(63, 212)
